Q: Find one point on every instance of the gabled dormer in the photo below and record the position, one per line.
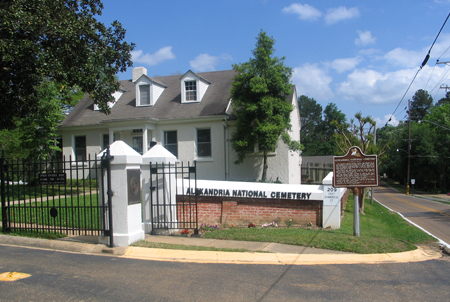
(148, 90)
(116, 95)
(193, 87)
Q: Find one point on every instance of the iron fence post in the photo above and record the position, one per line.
(2, 162)
(106, 162)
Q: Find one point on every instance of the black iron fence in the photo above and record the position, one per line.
(55, 196)
(173, 196)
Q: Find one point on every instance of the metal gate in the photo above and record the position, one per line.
(56, 196)
(173, 198)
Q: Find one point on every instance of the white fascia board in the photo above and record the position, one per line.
(192, 119)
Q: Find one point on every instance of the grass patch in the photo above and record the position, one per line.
(41, 235)
(381, 231)
(79, 212)
(27, 192)
(155, 245)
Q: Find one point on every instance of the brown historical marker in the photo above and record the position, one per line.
(355, 169)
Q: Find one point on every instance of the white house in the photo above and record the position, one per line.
(190, 115)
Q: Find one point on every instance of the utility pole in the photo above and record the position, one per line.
(409, 148)
(446, 87)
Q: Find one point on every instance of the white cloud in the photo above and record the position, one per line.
(411, 58)
(381, 122)
(341, 13)
(161, 55)
(405, 58)
(441, 48)
(365, 38)
(372, 87)
(341, 65)
(304, 11)
(205, 62)
(312, 81)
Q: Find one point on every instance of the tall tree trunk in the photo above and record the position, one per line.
(265, 166)
(362, 195)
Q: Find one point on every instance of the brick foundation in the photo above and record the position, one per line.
(226, 211)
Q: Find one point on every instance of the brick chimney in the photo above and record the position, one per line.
(138, 71)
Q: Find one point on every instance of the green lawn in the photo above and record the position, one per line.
(79, 212)
(26, 192)
(381, 232)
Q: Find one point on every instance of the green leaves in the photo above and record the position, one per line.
(260, 99)
(59, 40)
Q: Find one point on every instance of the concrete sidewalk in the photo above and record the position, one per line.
(259, 252)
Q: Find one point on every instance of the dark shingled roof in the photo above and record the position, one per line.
(168, 106)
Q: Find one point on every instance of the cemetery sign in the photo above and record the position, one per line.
(355, 169)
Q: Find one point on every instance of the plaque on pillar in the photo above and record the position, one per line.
(134, 186)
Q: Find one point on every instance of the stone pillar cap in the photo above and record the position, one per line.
(123, 154)
(158, 154)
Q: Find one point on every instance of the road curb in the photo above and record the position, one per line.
(417, 255)
(68, 246)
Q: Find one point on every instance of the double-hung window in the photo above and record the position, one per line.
(204, 143)
(191, 90)
(171, 142)
(80, 148)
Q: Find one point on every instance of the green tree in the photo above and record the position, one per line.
(361, 133)
(38, 130)
(59, 40)
(421, 104)
(260, 99)
(311, 120)
(332, 116)
(317, 132)
(35, 136)
(434, 146)
(444, 100)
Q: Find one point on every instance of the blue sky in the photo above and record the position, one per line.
(360, 55)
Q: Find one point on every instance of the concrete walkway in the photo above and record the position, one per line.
(259, 252)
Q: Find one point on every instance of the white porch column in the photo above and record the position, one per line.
(126, 199)
(144, 140)
(111, 136)
(331, 213)
(157, 155)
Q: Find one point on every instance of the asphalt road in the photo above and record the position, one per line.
(62, 276)
(432, 216)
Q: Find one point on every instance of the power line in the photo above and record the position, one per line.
(427, 57)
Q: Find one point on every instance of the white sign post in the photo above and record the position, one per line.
(331, 216)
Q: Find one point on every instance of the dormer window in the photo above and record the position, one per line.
(144, 94)
(148, 91)
(193, 87)
(116, 95)
(191, 90)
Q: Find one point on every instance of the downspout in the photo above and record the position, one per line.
(226, 144)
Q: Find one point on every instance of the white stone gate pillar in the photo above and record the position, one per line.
(167, 188)
(126, 199)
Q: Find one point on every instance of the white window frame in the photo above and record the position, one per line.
(75, 148)
(165, 140)
(183, 90)
(138, 94)
(207, 157)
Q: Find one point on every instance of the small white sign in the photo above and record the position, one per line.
(330, 196)
(413, 181)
